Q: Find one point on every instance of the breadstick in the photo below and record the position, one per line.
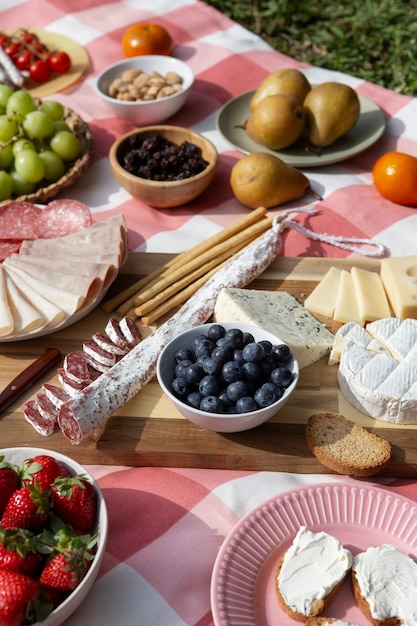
(222, 235)
(185, 268)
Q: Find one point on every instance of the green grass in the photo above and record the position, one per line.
(372, 39)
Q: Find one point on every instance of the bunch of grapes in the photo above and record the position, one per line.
(37, 146)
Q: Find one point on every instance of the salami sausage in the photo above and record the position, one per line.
(76, 367)
(107, 344)
(130, 331)
(55, 394)
(42, 425)
(62, 217)
(93, 350)
(89, 409)
(18, 219)
(114, 333)
(8, 247)
(71, 387)
(46, 408)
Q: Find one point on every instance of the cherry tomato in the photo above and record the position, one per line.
(12, 49)
(4, 40)
(59, 62)
(24, 60)
(28, 37)
(40, 71)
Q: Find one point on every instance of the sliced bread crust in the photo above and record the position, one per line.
(324, 621)
(364, 606)
(346, 447)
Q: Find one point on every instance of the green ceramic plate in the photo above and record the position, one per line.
(367, 131)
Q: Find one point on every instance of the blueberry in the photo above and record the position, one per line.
(265, 397)
(248, 338)
(282, 377)
(204, 347)
(194, 373)
(237, 356)
(234, 338)
(183, 354)
(267, 364)
(282, 352)
(212, 404)
(253, 352)
(181, 368)
(222, 353)
(194, 399)
(246, 404)
(180, 387)
(224, 396)
(231, 371)
(209, 385)
(237, 389)
(267, 345)
(251, 371)
(196, 341)
(215, 332)
(211, 365)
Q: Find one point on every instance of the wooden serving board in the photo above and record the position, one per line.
(148, 431)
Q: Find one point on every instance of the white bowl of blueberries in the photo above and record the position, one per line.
(227, 377)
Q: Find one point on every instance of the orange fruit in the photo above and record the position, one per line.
(395, 177)
(145, 38)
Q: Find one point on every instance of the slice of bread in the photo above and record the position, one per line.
(384, 581)
(346, 447)
(327, 621)
(310, 573)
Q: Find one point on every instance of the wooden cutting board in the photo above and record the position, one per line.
(149, 431)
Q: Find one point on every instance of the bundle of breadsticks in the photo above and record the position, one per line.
(170, 285)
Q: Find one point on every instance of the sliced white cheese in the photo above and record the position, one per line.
(6, 316)
(322, 300)
(25, 316)
(399, 276)
(370, 295)
(352, 331)
(279, 313)
(382, 384)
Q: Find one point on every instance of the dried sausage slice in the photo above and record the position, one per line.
(62, 217)
(18, 219)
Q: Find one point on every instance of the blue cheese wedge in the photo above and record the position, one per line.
(279, 313)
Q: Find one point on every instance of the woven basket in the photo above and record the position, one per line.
(82, 131)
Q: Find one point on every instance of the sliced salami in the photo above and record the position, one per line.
(68, 385)
(130, 331)
(93, 350)
(18, 219)
(43, 426)
(46, 408)
(55, 394)
(114, 333)
(76, 367)
(62, 217)
(107, 344)
(8, 247)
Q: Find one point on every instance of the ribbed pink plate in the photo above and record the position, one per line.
(243, 581)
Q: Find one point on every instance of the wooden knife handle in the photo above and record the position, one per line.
(30, 374)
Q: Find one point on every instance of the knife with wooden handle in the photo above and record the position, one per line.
(30, 374)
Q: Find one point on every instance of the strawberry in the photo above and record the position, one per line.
(18, 593)
(75, 502)
(9, 482)
(28, 507)
(42, 468)
(18, 551)
(65, 570)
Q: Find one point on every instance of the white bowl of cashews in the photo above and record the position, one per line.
(145, 89)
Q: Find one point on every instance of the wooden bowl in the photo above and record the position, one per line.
(164, 194)
(82, 131)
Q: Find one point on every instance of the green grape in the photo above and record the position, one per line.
(54, 166)
(19, 104)
(6, 156)
(38, 125)
(66, 145)
(8, 128)
(61, 125)
(22, 144)
(21, 187)
(54, 109)
(29, 165)
(6, 185)
(5, 92)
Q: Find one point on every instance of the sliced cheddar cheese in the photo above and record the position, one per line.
(346, 308)
(370, 295)
(322, 299)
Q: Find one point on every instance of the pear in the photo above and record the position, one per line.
(277, 122)
(289, 81)
(332, 110)
(261, 179)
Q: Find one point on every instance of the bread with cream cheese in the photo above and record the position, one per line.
(384, 583)
(346, 447)
(327, 621)
(305, 582)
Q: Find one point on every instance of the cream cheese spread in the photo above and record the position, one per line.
(312, 567)
(387, 579)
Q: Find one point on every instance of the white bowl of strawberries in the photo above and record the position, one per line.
(54, 510)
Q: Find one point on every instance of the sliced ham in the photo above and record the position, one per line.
(25, 316)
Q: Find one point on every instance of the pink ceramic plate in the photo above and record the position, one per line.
(242, 589)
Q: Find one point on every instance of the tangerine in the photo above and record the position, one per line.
(146, 38)
(395, 177)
